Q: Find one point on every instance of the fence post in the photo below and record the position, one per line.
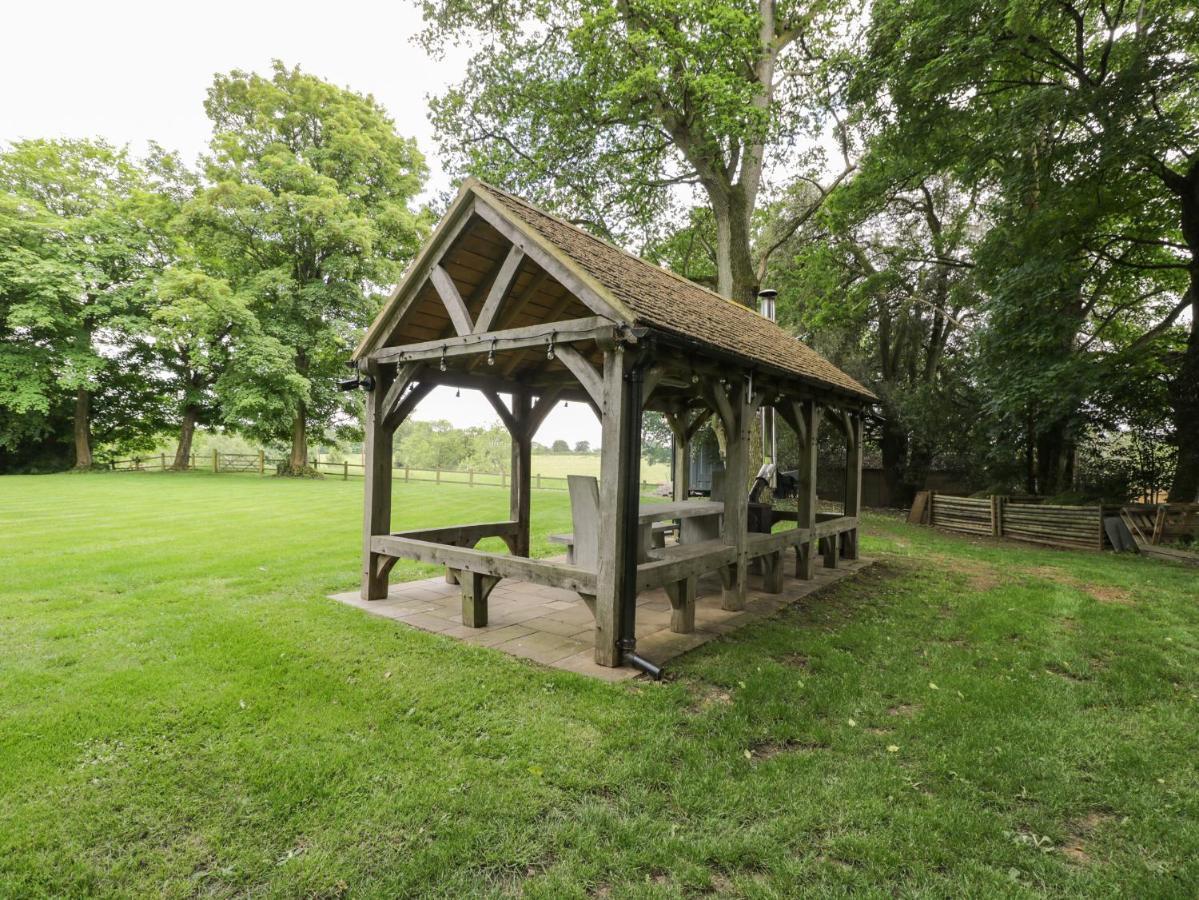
(162, 461)
(471, 477)
(345, 470)
(261, 461)
(405, 473)
(538, 481)
(216, 466)
(439, 474)
(193, 461)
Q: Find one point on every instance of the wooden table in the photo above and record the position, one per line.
(699, 521)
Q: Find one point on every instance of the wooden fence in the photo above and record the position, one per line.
(260, 464)
(1023, 519)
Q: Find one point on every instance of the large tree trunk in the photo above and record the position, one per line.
(299, 441)
(893, 443)
(736, 277)
(1184, 390)
(1054, 450)
(1184, 397)
(83, 429)
(187, 430)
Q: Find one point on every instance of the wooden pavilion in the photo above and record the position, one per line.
(507, 299)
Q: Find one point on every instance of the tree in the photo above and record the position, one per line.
(582, 446)
(560, 446)
(307, 215)
(78, 312)
(222, 367)
(883, 284)
(1095, 106)
(603, 109)
(37, 281)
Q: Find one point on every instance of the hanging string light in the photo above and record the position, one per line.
(491, 354)
(549, 350)
(442, 366)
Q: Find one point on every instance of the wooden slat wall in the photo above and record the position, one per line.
(1079, 527)
(1061, 526)
(969, 514)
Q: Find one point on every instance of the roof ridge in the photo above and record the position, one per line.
(675, 275)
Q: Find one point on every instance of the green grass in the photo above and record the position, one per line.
(183, 712)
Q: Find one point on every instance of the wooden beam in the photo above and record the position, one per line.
(538, 571)
(406, 292)
(736, 490)
(586, 329)
(575, 282)
(454, 305)
(698, 422)
(521, 490)
(649, 383)
(583, 370)
(713, 391)
(499, 288)
(613, 524)
(461, 535)
(484, 382)
(403, 377)
(541, 410)
(809, 415)
(376, 492)
(853, 482)
(501, 410)
(408, 404)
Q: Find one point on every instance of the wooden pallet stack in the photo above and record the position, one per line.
(1154, 525)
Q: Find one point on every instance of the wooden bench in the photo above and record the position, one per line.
(661, 531)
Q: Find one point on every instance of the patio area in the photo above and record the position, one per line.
(552, 626)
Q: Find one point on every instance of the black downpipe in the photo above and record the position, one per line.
(631, 450)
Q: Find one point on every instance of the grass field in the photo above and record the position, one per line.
(183, 712)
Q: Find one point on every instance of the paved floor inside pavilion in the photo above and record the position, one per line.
(553, 627)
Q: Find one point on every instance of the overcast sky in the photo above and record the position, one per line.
(135, 71)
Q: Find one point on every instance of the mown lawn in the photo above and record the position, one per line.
(182, 712)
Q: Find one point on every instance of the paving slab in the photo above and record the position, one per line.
(553, 627)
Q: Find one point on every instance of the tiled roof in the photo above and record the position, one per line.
(668, 302)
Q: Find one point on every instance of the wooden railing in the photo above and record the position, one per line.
(260, 463)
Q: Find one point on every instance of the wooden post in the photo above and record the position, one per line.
(162, 461)
(680, 463)
(193, 462)
(261, 462)
(471, 477)
(613, 490)
(736, 494)
(438, 478)
(522, 458)
(376, 470)
(215, 461)
(475, 590)
(853, 483)
(996, 515)
(538, 481)
(345, 470)
(406, 473)
(809, 416)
